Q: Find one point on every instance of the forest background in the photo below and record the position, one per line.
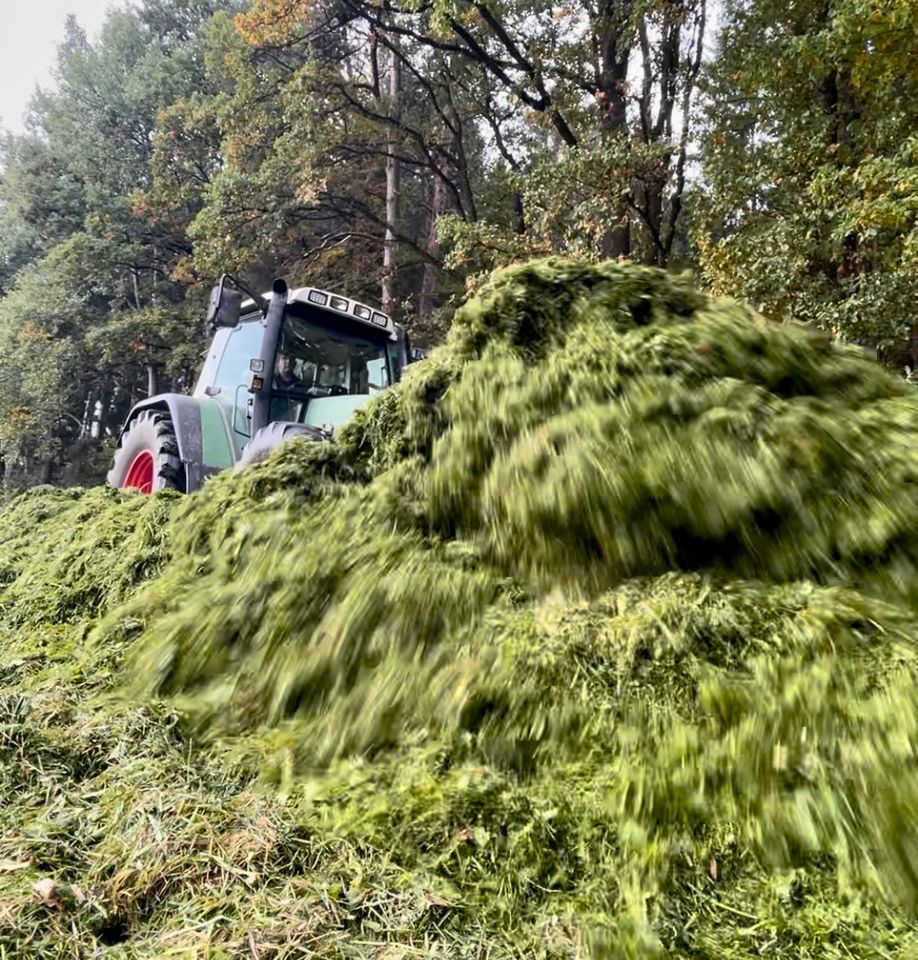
(397, 150)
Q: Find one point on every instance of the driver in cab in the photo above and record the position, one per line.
(285, 378)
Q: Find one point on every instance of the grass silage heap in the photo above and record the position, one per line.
(596, 636)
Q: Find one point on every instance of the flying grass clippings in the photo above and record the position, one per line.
(594, 637)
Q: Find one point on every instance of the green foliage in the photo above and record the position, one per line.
(595, 160)
(586, 639)
(278, 166)
(39, 361)
(80, 260)
(810, 157)
(41, 203)
(194, 137)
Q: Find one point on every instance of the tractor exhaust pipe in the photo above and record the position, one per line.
(263, 366)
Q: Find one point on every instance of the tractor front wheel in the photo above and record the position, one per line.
(147, 457)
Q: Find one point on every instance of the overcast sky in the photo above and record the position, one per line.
(29, 35)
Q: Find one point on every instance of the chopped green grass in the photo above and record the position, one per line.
(594, 637)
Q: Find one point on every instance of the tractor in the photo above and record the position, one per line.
(295, 363)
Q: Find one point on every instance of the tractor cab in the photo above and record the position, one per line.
(322, 375)
(331, 354)
(294, 363)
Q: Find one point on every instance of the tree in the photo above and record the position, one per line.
(588, 105)
(85, 270)
(326, 150)
(521, 128)
(42, 202)
(40, 371)
(811, 195)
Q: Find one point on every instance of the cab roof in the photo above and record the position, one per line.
(336, 303)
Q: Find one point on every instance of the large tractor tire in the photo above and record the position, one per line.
(273, 435)
(147, 458)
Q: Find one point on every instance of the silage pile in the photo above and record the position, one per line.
(596, 636)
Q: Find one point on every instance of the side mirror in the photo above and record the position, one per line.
(225, 306)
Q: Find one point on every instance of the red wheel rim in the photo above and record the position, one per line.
(140, 473)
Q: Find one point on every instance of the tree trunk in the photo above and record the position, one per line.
(689, 81)
(390, 243)
(617, 240)
(429, 281)
(613, 33)
(103, 411)
(89, 407)
(152, 380)
(611, 96)
(374, 63)
(135, 288)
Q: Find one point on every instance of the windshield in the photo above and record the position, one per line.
(315, 362)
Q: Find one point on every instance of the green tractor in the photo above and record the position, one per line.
(297, 363)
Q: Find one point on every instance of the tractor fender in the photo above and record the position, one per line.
(186, 420)
(273, 435)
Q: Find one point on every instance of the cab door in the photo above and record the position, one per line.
(226, 377)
